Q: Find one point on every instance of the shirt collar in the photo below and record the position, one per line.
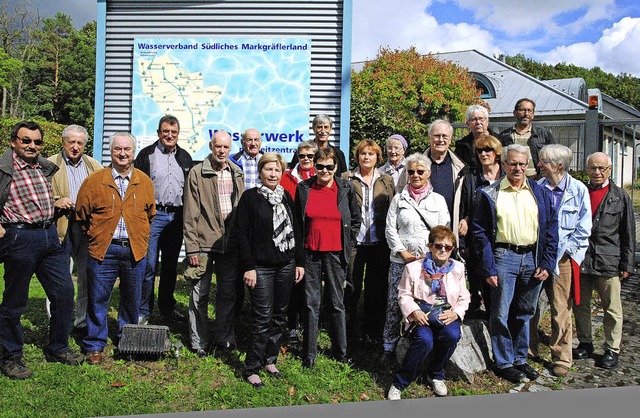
(115, 174)
(506, 184)
(605, 184)
(68, 161)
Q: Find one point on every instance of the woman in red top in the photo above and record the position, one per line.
(330, 214)
(302, 170)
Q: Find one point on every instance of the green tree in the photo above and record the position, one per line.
(402, 91)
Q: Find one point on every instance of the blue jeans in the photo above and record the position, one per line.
(101, 277)
(269, 302)
(327, 265)
(25, 252)
(424, 339)
(165, 236)
(513, 304)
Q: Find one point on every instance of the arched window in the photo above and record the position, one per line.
(487, 91)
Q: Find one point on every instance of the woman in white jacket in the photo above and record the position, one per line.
(437, 281)
(412, 214)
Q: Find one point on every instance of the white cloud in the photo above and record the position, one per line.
(408, 24)
(615, 51)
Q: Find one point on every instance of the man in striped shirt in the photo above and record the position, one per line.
(74, 167)
(29, 244)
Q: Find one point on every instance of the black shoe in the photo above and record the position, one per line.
(79, 332)
(582, 351)
(609, 359)
(14, 368)
(68, 357)
(308, 363)
(528, 371)
(342, 359)
(175, 316)
(511, 374)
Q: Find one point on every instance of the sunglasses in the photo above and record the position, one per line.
(307, 156)
(412, 172)
(27, 141)
(439, 246)
(329, 167)
(485, 149)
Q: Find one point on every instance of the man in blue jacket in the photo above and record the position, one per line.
(515, 232)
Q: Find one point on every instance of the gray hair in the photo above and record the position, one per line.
(609, 162)
(75, 128)
(418, 159)
(473, 109)
(321, 118)
(557, 154)
(308, 144)
(125, 134)
(438, 122)
(520, 149)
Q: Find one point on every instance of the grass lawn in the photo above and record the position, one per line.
(126, 386)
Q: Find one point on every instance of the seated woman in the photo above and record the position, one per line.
(437, 280)
(270, 255)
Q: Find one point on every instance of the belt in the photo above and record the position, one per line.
(24, 225)
(168, 209)
(124, 242)
(520, 249)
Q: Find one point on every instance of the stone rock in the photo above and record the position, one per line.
(539, 388)
(473, 353)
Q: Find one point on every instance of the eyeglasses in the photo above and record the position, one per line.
(412, 172)
(439, 246)
(27, 141)
(476, 120)
(600, 168)
(485, 149)
(307, 156)
(329, 167)
(396, 149)
(514, 165)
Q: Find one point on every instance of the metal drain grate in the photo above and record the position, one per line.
(145, 339)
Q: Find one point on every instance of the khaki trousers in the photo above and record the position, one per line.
(560, 302)
(609, 290)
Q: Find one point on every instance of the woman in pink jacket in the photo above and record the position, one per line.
(433, 298)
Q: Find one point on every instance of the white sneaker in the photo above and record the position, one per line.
(439, 387)
(394, 394)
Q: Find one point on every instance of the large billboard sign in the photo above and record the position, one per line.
(229, 84)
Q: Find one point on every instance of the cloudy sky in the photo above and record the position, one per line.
(588, 33)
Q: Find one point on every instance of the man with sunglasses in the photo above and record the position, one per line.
(515, 234)
(29, 244)
(525, 133)
(609, 260)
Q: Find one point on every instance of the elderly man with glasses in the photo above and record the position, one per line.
(608, 261)
(515, 233)
(477, 119)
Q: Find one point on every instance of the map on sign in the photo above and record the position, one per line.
(223, 84)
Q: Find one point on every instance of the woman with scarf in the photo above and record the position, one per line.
(412, 214)
(270, 255)
(433, 297)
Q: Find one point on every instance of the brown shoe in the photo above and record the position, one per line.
(94, 357)
(560, 370)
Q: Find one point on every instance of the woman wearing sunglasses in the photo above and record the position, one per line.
(488, 151)
(330, 215)
(425, 284)
(374, 192)
(412, 214)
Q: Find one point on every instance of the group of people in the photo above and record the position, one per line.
(500, 213)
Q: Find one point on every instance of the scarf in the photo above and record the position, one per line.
(421, 193)
(433, 274)
(283, 237)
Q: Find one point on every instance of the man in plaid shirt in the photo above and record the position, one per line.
(29, 244)
(249, 156)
